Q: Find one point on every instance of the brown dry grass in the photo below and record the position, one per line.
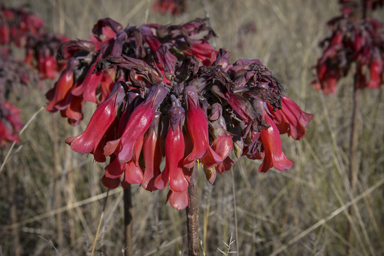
(291, 212)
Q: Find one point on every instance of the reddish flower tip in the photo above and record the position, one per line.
(274, 156)
(178, 200)
(198, 129)
(138, 123)
(104, 116)
(174, 153)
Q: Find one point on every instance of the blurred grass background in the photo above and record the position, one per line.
(273, 210)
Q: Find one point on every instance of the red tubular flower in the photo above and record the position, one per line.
(13, 116)
(203, 51)
(47, 67)
(132, 170)
(138, 123)
(376, 68)
(10, 123)
(105, 114)
(4, 34)
(110, 183)
(327, 79)
(290, 119)
(28, 56)
(106, 83)
(274, 156)
(74, 111)
(103, 31)
(7, 135)
(152, 154)
(198, 129)
(178, 200)
(174, 154)
(222, 145)
(115, 169)
(88, 86)
(60, 95)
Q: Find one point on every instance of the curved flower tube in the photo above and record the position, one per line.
(132, 170)
(152, 154)
(274, 156)
(105, 114)
(60, 95)
(198, 129)
(174, 154)
(290, 119)
(138, 123)
(74, 112)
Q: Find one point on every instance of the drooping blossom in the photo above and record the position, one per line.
(198, 129)
(174, 153)
(290, 119)
(91, 140)
(152, 154)
(274, 156)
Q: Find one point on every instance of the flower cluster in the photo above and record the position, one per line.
(10, 123)
(13, 74)
(174, 7)
(94, 66)
(41, 50)
(27, 30)
(16, 24)
(353, 41)
(175, 97)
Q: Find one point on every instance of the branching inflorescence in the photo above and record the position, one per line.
(161, 93)
(355, 40)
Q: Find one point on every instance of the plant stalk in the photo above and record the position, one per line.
(128, 250)
(57, 182)
(13, 212)
(193, 216)
(353, 168)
